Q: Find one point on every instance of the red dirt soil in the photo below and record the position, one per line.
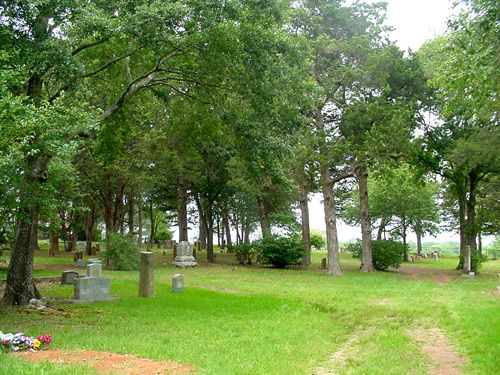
(106, 363)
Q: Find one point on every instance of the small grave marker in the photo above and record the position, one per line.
(178, 283)
(69, 277)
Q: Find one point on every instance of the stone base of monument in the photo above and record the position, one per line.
(184, 256)
(92, 288)
(185, 261)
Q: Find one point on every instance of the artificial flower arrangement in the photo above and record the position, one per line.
(19, 341)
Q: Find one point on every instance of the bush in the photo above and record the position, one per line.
(245, 253)
(281, 251)
(386, 253)
(318, 240)
(122, 253)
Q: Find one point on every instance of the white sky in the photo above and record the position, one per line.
(417, 21)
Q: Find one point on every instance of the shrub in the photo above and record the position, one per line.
(122, 253)
(318, 240)
(281, 251)
(386, 253)
(245, 253)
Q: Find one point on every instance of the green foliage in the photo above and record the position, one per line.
(245, 253)
(493, 251)
(386, 253)
(318, 239)
(281, 251)
(122, 253)
(476, 260)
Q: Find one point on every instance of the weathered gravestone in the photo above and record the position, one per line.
(184, 256)
(69, 277)
(146, 275)
(178, 283)
(93, 287)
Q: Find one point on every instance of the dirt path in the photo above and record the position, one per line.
(438, 276)
(106, 363)
(338, 360)
(435, 344)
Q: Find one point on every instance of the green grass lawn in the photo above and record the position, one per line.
(233, 319)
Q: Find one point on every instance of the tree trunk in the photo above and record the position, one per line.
(332, 242)
(20, 287)
(182, 197)
(246, 227)
(471, 229)
(227, 227)
(152, 233)
(210, 233)
(131, 213)
(467, 261)
(406, 258)
(203, 235)
(418, 233)
(479, 243)
(118, 209)
(327, 184)
(461, 197)
(54, 243)
(381, 229)
(89, 226)
(139, 221)
(220, 238)
(306, 232)
(366, 226)
(73, 240)
(265, 226)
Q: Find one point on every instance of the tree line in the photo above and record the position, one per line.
(118, 111)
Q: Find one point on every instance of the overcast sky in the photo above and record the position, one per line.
(416, 21)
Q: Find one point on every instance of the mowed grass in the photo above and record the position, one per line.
(233, 319)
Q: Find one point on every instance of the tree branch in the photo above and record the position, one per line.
(88, 45)
(342, 177)
(111, 62)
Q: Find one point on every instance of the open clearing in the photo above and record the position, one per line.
(421, 319)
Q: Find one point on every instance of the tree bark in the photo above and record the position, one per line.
(246, 228)
(406, 258)
(20, 287)
(89, 226)
(209, 220)
(182, 197)
(381, 229)
(54, 243)
(306, 231)
(327, 184)
(461, 197)
(471, 229)
(153, 225)
(366, 226)
(203, 234)
(131, 213)
(74, 238)
(227, 227)
(265, 226)
(139, 221)
(418, 233)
